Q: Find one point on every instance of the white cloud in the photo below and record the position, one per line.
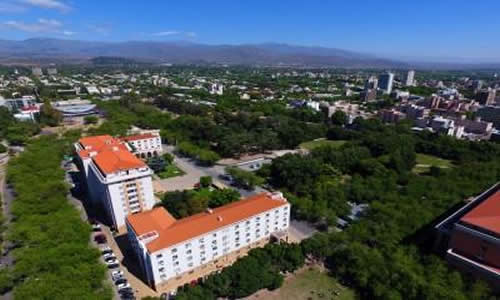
(49, 4)
(166, 33)
(68, 33)
(191, 34)
(43, 25)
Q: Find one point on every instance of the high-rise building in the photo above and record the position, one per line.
(385, 82)
(410, 78)
(117, 181)
(371, 83)
(486, 97)
(175, 252)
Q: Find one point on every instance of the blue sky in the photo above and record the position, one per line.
(422, 29)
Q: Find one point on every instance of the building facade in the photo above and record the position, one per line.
(170, 250)
(385, 82)
(116, 180)
(410, 78)
(472, 237)
(145, 144)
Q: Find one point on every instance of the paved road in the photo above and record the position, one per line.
(193, 174)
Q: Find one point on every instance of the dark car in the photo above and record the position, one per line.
(100, 238)
(120, 281)
(113, 266)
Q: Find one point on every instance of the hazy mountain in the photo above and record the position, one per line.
(45, 49)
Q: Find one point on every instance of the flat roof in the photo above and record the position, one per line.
(171, 233)
(486, 214)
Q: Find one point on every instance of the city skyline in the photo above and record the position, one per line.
(427, 31)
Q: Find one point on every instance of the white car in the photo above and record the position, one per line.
(96, 227)
(123, 286)
(117, 273)
(106, 250)
(112, 261)
(108, 255)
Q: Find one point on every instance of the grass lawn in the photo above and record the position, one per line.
(311, 284)
(318, 143)
(170, 171)
(424, 163)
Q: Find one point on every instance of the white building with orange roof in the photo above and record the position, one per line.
(145, 144)
(116, 180)
(171, 250)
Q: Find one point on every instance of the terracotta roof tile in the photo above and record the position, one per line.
(486, 215)
(202, 223)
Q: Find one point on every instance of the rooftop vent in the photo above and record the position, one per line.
(219, 218)
(210, 211)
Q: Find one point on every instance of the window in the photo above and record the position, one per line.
(174, 250)
(162, 269)
(202, 240)
(202, 246)
(189, 251)
(276, 211)
(214, 248)
(285, 208)
(161, 262)
(248, 240)
(202, 253)
(174, 257)
(190, 257)
(237, 244)
(248, 234)
(176, 263)
(237, 233)
(247, 222)
(159, 255)
(224, 238)
(267, 215)
(203, 258)
(214, 235)
(237, 226)
(190, 265)
(257, 230)
(237, 238)
(188, 245)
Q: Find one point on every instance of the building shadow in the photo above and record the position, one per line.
(129, 257)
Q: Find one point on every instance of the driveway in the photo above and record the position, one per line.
(193, 173)
(300, 230)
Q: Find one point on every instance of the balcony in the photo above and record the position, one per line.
(487, 272)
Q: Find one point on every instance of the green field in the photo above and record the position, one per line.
(311, 284)
(318, 143)
(170, 171)
(424, 163)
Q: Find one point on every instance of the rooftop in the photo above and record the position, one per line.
(171, 233)
(138, 137)
(486, 215)
(112, 155)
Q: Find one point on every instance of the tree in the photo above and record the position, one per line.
(90, 120)
(339, 118)
(205, 181)
(244, 178)
(3, 149)
(50, 116)
(169, 158)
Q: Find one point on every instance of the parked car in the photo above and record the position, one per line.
(120, 281)
(109, 255)
(117, 273)
(100, 238)
(123, 285)
(126, 291)
(111, 260)
(96, 227)
(106, 249)
(113, 265)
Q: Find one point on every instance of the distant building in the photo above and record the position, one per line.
(117, 181)
(391, 115)
(169, 251)
(369, 95)
(216, 89)
(18, 103)
(52, 71)
(371, 83)
(37, 71)
(385, 82)
(490, 114)
(471, 237)
(486, 97)
(477, 85)
(410, 78)
(75, 107)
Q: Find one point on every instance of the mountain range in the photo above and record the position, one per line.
(181, 52)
